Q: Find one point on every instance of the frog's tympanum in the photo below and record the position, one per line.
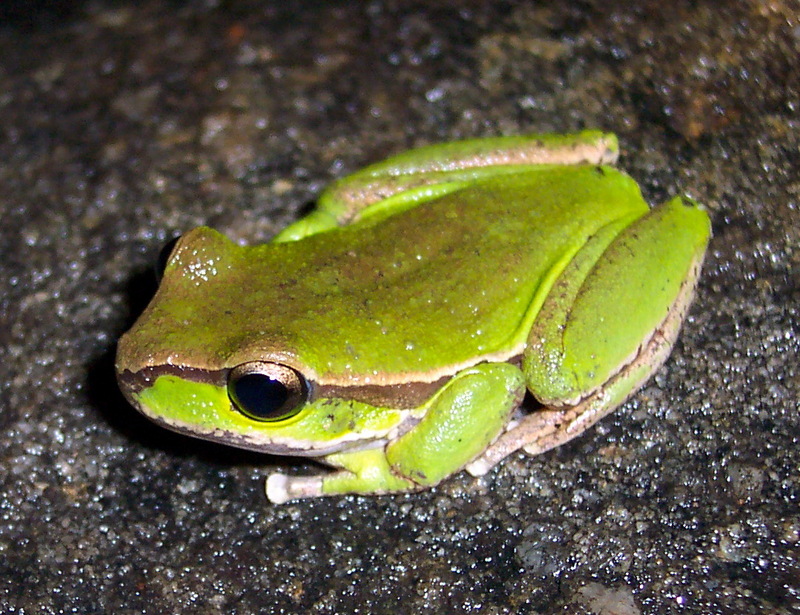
(394, 331)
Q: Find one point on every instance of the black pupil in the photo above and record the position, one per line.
(260, 396)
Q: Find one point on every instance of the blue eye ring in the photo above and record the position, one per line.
(267, 392)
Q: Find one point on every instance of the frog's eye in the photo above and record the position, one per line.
(165, 255)
(266, 391)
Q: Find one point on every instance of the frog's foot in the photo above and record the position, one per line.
(545, 429)
(531, 428)
(541, 431)
(365, 471)
(282, 488)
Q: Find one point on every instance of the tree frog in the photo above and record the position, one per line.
(394, 332)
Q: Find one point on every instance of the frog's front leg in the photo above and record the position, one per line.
(609, 322)
(425, 173)
(459, 422)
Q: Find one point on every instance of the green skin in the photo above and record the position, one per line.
(419, 302)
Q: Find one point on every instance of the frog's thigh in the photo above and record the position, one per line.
(604, 329)
(462, 420)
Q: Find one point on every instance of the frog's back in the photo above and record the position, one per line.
(447, 283)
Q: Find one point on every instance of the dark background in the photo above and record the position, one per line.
(123, 123)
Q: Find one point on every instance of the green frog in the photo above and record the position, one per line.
(394, 332)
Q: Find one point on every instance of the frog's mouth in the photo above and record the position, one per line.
(274, 445)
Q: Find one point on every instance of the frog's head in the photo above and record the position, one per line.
(199, 361)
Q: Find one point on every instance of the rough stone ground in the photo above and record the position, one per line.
(123, 123)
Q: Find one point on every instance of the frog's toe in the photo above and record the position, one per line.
(281, 488)
(479, 466)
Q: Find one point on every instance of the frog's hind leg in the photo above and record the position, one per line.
(580, 377)
(420, 175)
(549, 427)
